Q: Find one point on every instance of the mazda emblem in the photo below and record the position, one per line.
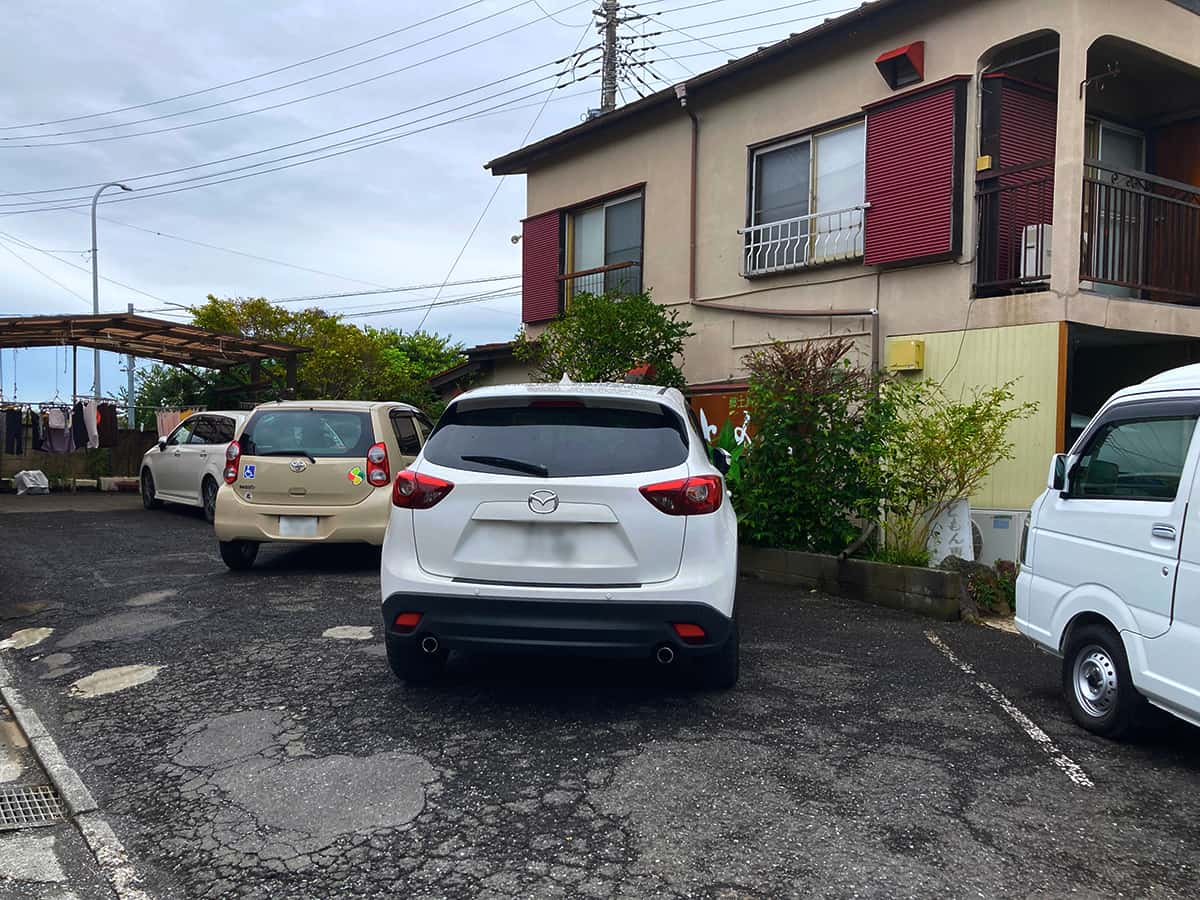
(543, 502)
(297, 465)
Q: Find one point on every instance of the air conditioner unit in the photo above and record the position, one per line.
(1035, 252)
(997, 534)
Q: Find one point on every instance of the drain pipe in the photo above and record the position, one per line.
(681, 93)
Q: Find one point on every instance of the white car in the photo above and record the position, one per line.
(568, 518)
(1110, 569)
(187, 465)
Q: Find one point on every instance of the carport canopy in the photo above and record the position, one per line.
(148, 338)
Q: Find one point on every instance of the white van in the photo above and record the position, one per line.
(1110, 567)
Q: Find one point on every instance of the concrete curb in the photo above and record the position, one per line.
(66, 780)
(927, 592)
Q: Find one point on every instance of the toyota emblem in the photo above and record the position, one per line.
(543, 502)
(297, 465)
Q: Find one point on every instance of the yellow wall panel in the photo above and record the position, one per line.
(1028, 354)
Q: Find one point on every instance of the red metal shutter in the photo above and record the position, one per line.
(914, 177)
(540, 289)
(1028, 122)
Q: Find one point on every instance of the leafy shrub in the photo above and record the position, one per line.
(813, 476)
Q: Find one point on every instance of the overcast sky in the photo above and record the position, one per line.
(390, 215)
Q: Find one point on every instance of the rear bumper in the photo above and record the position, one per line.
(598, 628)
(365, 522)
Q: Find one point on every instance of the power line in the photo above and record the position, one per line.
(48, 277)
(435, 58)
(248, 78)
(315, 137)
(822, 15)
(143, 195)
(67, 262)
(499, 184)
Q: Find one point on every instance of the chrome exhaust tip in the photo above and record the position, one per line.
(665, 655)
(429, 644)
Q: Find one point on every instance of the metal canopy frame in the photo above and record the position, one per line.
(149, 338)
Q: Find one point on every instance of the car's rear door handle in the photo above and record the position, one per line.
(1166, 532)
(177, 453)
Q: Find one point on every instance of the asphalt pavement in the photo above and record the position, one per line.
(243, 737)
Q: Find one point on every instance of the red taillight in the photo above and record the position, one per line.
(689, 632)
(407, 622)
(413, 490)
(233, 456)
(694, 496)
(378, 473)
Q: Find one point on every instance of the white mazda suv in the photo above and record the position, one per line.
(563, 518)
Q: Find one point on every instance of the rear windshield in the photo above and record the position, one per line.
(558, 441)
(316, 432)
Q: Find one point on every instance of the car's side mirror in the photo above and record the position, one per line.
(722, 460)
(1056, 479)
(162, 444)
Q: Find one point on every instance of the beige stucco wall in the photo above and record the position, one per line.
(833, 81)
(1027, 355)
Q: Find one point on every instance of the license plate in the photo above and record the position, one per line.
(298, 526)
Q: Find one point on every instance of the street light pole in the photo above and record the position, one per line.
(96, 281)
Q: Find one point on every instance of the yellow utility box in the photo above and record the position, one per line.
(905, 356)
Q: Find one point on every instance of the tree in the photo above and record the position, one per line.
(600, 338)
(940, 450)
(346, 362)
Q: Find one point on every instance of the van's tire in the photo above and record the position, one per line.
(719, 672)
(208, 498)
(412, 664)
(149, 500)
(239, 555)
(1097, 684)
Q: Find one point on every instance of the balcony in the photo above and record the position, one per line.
(1141, 235)
(618, 278)
(804, 241)
(1014, 207)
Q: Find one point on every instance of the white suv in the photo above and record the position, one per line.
(568, 518)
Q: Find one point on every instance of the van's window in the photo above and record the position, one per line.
(558, 441)
(317, 432)
(181, 434)
(406, 434)
(1134, 459)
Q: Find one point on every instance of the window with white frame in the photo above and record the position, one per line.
(806, 201)
(604, 247)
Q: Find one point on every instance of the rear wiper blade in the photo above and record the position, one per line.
(503, 462)
(303, 453)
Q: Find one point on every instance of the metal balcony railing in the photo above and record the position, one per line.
(1140, 233)
(803, 241)
(618, 278)
(1015, 208)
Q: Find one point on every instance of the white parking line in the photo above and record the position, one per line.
(1070, 768)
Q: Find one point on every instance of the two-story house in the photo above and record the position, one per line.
(977, 191)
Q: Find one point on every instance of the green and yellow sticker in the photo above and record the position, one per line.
(356, 475)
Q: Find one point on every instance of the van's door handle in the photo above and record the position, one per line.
(1166, 532)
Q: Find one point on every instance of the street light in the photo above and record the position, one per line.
(96, 282)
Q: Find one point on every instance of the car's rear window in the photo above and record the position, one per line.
(317, 432)
(557, 440)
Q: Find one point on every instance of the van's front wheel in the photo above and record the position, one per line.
(1097, 683)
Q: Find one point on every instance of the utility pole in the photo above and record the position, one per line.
(608, 79)
(130, 412)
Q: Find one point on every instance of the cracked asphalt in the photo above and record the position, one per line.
(258, 746)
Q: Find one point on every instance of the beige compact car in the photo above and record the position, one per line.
(313, 471)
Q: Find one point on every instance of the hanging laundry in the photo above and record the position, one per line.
(107, 428)
(78, 429)
(14, 432)
(35, 429)
(90, 424)
(56, 417)
(167, 420)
